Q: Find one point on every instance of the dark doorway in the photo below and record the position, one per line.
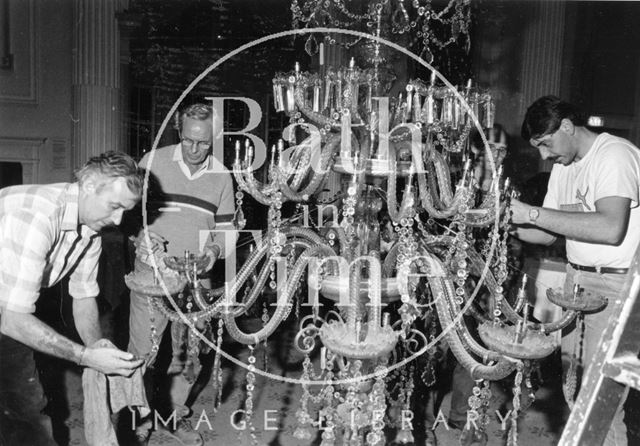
(10, 174)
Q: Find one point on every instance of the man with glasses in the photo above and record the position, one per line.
(592, 200)
(190, 200)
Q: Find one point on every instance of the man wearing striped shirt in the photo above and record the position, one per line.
(191, 205)
(48, 232)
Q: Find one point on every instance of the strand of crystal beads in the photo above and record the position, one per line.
(297, 294)
(311, 376)
(570, 385)
(528, 370)
(406, 254)
(460, 262)
(303, 431)
(217, 364)
(500, 269)
(248, 405)
(193, 349)
(265, 318)
(423, 231)
(402, 394)
(405, 435)
(393, 378)
(428, 376)
(238, 217)
(275, 225)
(162, 307)
(353, 401)
(474, 402)
(329, 389)
(513, 431)
(348, 211)
(486, 243)
(272, 275)
(410, 386)
(329, 393)
(155, 344)
(451, 229)
(379, 405)
(485, 395)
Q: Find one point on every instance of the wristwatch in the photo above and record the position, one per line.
(534, 213)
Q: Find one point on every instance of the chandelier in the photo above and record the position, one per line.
(407, 239)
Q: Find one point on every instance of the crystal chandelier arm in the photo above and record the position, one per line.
(437, 164)
(256, 189)
(247, 182)
(316, 118)
(441, 286)
(390, 260)
(547, 327)
(459, 198)
(307, 236)
(355, 303)
(502, 368)
(375, 292)
(403, 211)
(342, 240)
(284, 301)
(428, 185)
(468, 341)
(301, 161)
(326, 157)
(222, 305)
(443, 175)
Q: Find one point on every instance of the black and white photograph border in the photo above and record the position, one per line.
(288, 79)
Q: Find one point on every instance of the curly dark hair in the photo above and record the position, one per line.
(545, 115)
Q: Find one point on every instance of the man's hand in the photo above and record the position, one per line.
(146, 248)
(212, 254)
(520, 212)
(104, 357)
(101, 355)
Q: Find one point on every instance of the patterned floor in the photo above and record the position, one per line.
(276, 402)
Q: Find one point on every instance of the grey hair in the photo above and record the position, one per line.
(198, 111)
(110, 166)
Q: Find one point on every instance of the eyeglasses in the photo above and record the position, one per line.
(203, 145)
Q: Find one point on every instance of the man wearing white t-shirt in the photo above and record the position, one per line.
(592, 200)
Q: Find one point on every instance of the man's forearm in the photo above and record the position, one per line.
(534, 235)
(31, 331)
(592, 227)
(86, 317)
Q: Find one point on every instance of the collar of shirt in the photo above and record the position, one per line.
(71, 217)
(204, 167)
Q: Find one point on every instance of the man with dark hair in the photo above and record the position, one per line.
(48, 232)
(192, 200)
(592, 200)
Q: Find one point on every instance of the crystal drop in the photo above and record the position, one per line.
(455, 30)
(399, 19)
(311, 46)
(427, 55)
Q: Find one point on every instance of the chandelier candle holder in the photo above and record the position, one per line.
(151, 284)
(578, 300)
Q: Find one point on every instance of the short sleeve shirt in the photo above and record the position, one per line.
(611, 168)
(41, 242)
